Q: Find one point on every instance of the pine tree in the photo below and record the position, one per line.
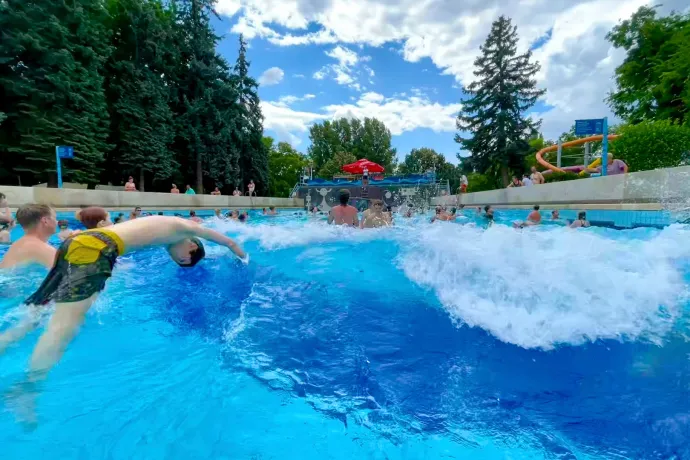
(207, 104)
(494, 112)
(253, 154)
(51, 87)
(141, 119)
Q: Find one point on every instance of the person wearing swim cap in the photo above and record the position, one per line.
(83, 265)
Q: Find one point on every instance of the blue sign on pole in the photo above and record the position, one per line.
(585, 127)
(65, 151)
(62, 151)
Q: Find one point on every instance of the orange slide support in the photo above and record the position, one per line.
(553, 148)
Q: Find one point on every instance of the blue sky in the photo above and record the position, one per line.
(404, 62)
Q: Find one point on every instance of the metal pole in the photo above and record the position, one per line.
(605, 148)
(59, 167)
(560, 151)
(587, 146)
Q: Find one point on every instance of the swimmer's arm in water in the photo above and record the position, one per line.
(331, 217)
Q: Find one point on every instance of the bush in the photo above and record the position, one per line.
(652, 145)
(562, 176)
(480, 183)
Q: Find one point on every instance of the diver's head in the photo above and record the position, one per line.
(582, 215)
(38, 219)
(188, 252)
(536, 207)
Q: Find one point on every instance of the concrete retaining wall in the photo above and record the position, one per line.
(70, 198)
(641, 190)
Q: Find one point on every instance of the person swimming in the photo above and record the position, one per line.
(83, 265)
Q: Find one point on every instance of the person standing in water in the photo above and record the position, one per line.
(581, 221)
(343, 214)
(39, 224)
(534, 218)
(374, 217)
(83, 265)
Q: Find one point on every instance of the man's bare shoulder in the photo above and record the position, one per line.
(27, 249)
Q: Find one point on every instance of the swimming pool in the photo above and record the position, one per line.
(415, 342)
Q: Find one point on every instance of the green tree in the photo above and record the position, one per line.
(209, 130)
(421, 160)
(142, 127)
(652, 145)
(52, 57)
(334, 166)
(652, 82)
(368, 139)
(253, 155)
(494, 113)
(424, 159)
(285, 166)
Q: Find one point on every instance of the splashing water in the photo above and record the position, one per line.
(417, 341)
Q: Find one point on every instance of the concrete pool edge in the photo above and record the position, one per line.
(66, 199)
(640, 191)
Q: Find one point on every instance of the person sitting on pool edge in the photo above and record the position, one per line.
(581, 221)
(85, 262)
(39, 224)
(343, 214)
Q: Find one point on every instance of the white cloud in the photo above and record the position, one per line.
(288, 100)
(577, 61)
(271, 76)
(344, 72)
(398, 114)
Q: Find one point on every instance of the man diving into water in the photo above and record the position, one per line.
(84, 263)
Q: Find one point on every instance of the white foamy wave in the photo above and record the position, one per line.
(298, 233)
(539, 288)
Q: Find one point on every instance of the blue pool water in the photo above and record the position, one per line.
(415, 342)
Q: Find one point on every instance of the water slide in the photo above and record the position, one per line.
(574, 169)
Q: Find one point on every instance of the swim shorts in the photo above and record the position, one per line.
(82, 265)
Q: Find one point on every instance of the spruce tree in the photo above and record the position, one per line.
(51, 87)
(207, 105)
(141, 119)
(494, 113)
(253, 154)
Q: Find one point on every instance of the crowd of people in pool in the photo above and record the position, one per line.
(533, 218)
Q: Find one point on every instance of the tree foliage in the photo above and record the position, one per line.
(421, 160)
(653, 144)
(368, 139)
(494, 113)
(334, 165)
(285, 166)
(52, 56)
(652, 82)
(136, 86)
